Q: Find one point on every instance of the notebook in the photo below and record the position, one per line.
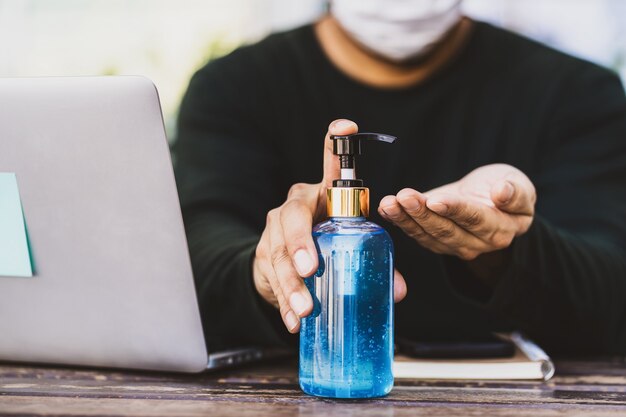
(528, 362)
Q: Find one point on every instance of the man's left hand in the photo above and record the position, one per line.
(480, 213)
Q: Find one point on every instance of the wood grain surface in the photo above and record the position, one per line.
(580, 388)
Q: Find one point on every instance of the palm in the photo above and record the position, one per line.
(477, 186)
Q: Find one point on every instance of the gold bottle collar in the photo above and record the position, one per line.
(348, 202)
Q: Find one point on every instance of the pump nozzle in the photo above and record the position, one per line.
(348, 197)
(347, 147)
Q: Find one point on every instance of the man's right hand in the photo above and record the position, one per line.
(286, 253)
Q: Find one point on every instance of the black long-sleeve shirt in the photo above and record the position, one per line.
(252, 124)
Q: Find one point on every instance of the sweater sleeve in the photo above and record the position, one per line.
(565, 283)
(228, 178)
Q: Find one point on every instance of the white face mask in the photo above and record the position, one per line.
(397, 29)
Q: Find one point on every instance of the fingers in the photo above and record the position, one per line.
(390, 210)
(286, 254)
(296, 221)
(443, 230)
(331, 162)
(495, 228)
(399, 286)
(461, 211)
(261, 273)
(437, 233)
(265, 276)
(297, 299)
(291, 320)
(299, 245)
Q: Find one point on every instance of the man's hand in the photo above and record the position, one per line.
(480, 213)
(286, 253)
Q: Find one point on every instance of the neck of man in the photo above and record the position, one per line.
(370, 69)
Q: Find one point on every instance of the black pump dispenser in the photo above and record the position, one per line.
(347, 147)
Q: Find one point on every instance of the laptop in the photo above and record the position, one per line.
(112, 283)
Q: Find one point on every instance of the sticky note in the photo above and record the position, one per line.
(15, 258)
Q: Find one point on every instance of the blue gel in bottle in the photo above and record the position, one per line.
(346, 343)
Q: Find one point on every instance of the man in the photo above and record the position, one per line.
(505, 195)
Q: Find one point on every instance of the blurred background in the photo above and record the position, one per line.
(167, 40)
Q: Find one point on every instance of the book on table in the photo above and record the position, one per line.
(528, 362)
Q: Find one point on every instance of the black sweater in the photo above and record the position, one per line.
(253, 123)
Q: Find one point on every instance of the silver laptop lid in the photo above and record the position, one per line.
(113, 284)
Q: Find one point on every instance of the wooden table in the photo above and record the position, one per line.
(585, 388)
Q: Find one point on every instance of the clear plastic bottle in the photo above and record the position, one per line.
(346, 343)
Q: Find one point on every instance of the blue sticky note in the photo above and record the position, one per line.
(14, 249)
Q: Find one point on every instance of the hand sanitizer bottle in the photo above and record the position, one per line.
(346, 344)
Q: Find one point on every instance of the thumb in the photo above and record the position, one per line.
(399, 286)
(331, 162)
(514, 196)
